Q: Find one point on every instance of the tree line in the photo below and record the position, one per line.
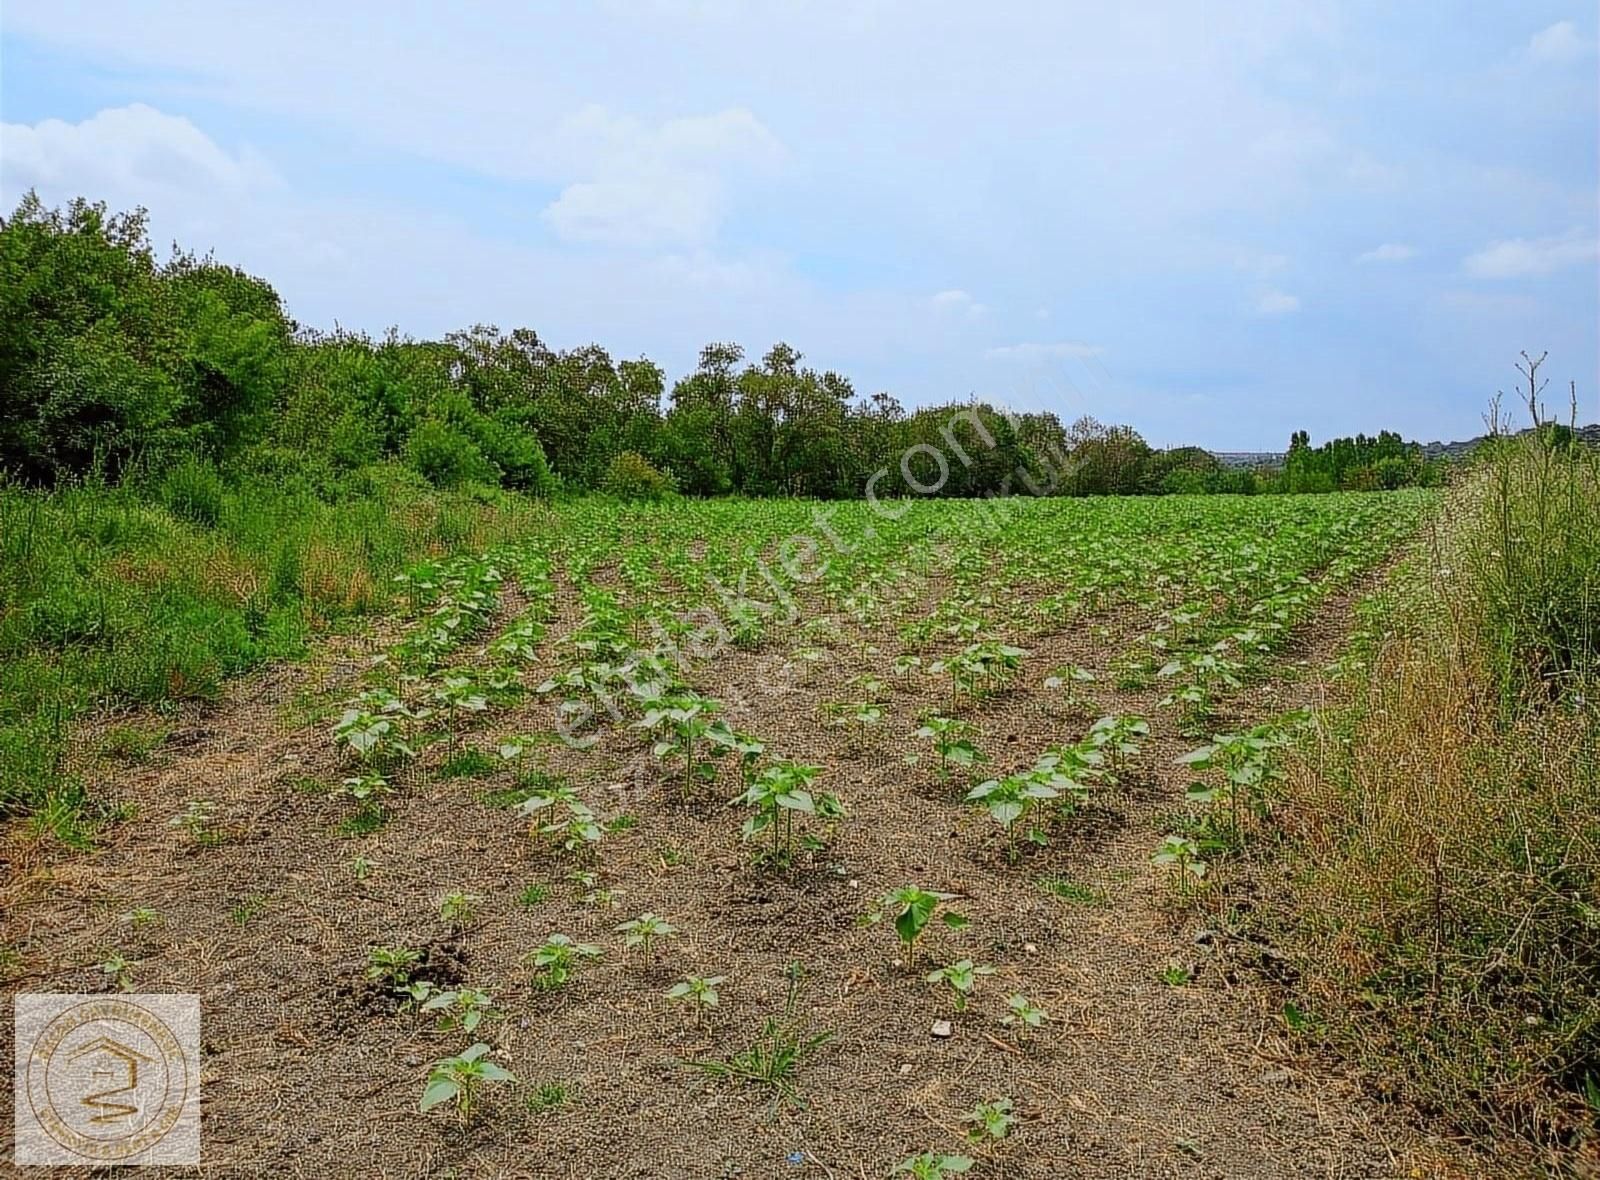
(112, 361)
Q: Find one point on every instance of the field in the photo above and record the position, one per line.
(758, 724)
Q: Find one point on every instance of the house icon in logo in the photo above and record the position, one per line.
(115, 1062)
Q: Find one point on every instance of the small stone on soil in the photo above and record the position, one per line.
(943, 1028)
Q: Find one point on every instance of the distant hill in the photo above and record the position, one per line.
(1249, 458)
(1460, 450)
(1433, 450)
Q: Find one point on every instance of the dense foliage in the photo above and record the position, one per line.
(113, 362)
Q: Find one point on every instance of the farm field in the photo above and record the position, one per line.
(655, 794)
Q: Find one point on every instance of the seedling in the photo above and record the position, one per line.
(557, 960)
(990, 1120)
(778, 793)
(1119, 738)
(459, 695)
(458, 1079)
(367, 790)
(464, 1008)
(749, 750)
(932, 1165)
(913, 908)
(143, 916)
(371, 727)
(1068, 680)
(962, 976)
(681, 723)
(392, 965)
(1023, 1014)
(118, 971)
(953, 743)
(1246, 765)
(455, 907)
(859, 718)
(1009, 800)
(642, 932)
(697, 991)
(1181, 856)
(361, 868)
(1174, 975)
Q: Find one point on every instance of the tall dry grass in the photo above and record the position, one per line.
(1440, 888)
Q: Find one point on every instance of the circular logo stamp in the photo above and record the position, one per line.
(107, 1079)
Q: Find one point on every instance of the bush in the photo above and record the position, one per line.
(630, 476)
(192, 490)
(447, 457)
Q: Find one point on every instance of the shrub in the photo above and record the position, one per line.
(192, 490)
(630, 476)
(447, 456)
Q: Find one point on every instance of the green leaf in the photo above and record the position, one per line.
(439, 1090)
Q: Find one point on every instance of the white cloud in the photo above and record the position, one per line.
(1278, 303)
(957, 302)
(127, 155)
(666, 185)
(1260, 264)
(1514, 258)
(1389, 252)
(1559, 43)
(1062, 350)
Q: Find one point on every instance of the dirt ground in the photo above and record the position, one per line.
(311, 1071)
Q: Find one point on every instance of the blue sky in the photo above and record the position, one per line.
(1217, 223)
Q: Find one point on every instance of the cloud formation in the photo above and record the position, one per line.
(1031, 353)
(134, 154)
(1389, 252)
(1520, 258)
(1276, 303)
(1560, 43)
(649, 186)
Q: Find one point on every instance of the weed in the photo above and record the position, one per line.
(392, 965)
(962, 978)
(197, 818)
(456, 907)
(1069, 890)
(931, 1165)
(777, 1053)
(468, 764)
(1023, 1014)
(991, 1120)
(533, 895)
(548, 1096)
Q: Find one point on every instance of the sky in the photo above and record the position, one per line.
(1218, 223)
